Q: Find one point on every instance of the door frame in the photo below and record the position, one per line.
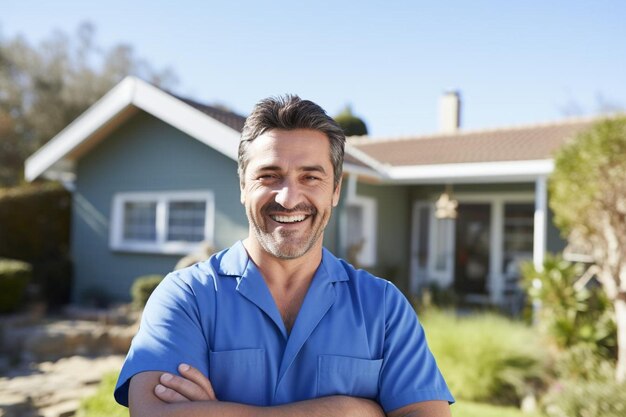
(495, 277)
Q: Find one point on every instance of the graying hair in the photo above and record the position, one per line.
(290, 112)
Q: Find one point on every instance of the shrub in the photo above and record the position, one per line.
(587, 398)
(485, 357)
(101, 404)
(35, 228)
(471, 409)
(14, 277)
(142, 288)
(571, 315)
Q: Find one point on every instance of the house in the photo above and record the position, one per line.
(154, 175)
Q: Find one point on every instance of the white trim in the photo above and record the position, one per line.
(495, 279)
(349, 168)
(162, 199)
(479, 172)
(365, 158)
(132, 92)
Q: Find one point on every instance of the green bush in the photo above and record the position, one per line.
(485, 357)
(471, 409)
(571, 315)
(101, 404)
(14, 278)
(142, 288)
(586, 398)
(35, 228)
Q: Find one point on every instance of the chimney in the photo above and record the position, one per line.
(450, 112)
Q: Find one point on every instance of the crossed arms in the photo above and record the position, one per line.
(158, 394)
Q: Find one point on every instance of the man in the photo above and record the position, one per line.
(276, 325)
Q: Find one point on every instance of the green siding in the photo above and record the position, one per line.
(393, 231)
(145, 154)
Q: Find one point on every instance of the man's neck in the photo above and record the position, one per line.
(284, 272)
(288, 280)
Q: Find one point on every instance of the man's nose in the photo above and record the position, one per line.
(288, 195)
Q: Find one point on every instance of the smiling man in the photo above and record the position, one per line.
(276, 325)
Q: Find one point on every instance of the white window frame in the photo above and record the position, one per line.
(162, 200)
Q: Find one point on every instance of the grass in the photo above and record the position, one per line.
(102, 404)
(485, 357)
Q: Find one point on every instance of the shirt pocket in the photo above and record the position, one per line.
(344, 375)
(239, 375)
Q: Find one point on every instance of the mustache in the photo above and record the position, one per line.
(300, 208)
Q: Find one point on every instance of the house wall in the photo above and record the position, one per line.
(393, 231)
(144, 154)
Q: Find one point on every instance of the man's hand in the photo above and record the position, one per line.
(192, 385)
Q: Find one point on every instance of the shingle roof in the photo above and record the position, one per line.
(509, 144)
(229, 118)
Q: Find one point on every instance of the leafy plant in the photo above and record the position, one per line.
(588, 198)
(587, 398)
(571, 314)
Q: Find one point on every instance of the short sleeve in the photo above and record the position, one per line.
(171, 332)
(409, 373)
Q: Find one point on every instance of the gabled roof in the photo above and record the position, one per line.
(507, 154)
(221, 130)
(56, 159)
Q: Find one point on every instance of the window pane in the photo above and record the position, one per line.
(186, 221)
(140, 221)
(441, 244)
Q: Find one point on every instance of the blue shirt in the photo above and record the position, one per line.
(355, 335)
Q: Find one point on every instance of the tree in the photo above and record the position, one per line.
(351, 124)
(44, 88)
(588, 197)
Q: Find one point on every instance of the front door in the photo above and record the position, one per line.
(471, 266)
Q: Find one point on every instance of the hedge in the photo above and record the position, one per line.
(35, 228)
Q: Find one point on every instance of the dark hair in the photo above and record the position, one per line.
(290, 112)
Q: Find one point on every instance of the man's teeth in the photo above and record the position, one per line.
(289, 219)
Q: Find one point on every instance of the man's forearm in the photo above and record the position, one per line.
(339, 406)
(144, 403)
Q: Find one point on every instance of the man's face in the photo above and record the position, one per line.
(287, 189)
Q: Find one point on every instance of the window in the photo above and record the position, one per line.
(359, 231)
(168, 222)
(518, 236)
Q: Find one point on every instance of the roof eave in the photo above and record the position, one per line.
(477, 172)
(132, 92)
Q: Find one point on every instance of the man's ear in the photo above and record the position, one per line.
(337, 193)
(242, 194)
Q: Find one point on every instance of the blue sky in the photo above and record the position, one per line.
(514, 62)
